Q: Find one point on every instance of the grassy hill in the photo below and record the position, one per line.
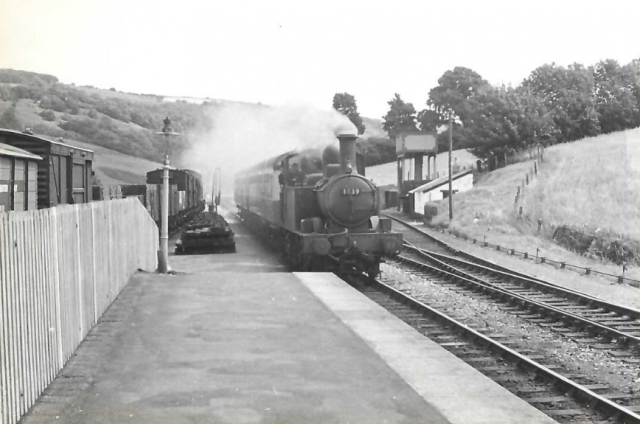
(592, 186)
(115, 168)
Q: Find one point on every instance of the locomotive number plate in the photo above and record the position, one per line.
(350, 191)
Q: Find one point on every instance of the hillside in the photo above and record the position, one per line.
(115, 168)
(126, 122)
(592, 186)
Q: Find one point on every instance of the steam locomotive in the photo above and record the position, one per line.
(319, 210)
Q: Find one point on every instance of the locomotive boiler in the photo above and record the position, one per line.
(319, 209)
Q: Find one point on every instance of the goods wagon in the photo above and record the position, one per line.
(185, 195)
(18, 179)
(64, 174)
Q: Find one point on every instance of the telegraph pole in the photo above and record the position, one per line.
(450, 155)
(163, 264)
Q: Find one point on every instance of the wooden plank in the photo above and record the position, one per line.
(4, 325)
(60, 268)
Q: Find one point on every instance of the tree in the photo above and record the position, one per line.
(9, 119)
(454, 90)
(401, 117)
(345, 103)
(57, 104)
(568, 94)
(48, 115)
(502, 120)
(377, 150)
(615, 98)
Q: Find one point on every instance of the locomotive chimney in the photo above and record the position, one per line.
(347, 153)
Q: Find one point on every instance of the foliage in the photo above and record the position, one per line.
(12, 76)
(451, 95)
(9, 119)
(345, 103)
(48, 115)
(401, 117)
(568, 94)
(616, 100)
(504, 120)
(553, 105)
(377, 150)
(104, 118)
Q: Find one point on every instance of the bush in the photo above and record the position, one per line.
(9, 119)
(47, 130)
(48, 115)
(57, 104)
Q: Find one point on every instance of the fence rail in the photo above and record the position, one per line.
(60, 269)
(543, 260)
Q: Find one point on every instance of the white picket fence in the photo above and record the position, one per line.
(60, 269)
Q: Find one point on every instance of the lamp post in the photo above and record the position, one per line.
(167, 132)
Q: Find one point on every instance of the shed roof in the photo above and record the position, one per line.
(8, 150)
(440, 181)
(19, 134)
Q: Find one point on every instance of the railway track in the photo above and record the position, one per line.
(583, 318)
(561, 394)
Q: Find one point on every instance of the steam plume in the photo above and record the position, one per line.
(244, 135)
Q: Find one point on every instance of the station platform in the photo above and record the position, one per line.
(265, 347)
(238, 340)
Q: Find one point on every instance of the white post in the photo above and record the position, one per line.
(164, 234)
(163, 264)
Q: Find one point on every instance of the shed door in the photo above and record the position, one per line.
(5, 184)
(79, 183)
(32, 186)
(58, 180)
(19, 185)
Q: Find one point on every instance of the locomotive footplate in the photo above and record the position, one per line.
(207, 231)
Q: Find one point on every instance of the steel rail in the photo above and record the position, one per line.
(533, 304)
(617, 412)
(543, 285)
(527, 279)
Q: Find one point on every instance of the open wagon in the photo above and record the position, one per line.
(208, 231)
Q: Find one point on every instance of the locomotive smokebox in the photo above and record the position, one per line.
(347, 153)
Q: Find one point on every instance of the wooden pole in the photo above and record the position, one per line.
(450, 176)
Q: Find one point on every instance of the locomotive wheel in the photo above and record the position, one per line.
(373, 271)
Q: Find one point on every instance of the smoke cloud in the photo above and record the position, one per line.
(245, 135)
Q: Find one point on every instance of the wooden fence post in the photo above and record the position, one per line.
(76, 214)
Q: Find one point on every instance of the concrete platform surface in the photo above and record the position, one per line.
(229, 348)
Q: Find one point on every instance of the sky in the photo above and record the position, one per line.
(282, 52)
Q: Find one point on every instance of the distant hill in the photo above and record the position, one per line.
(124, 122)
